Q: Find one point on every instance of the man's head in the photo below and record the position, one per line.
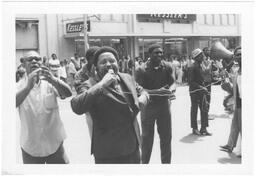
(106, 58)
(90, 54)
(206, 51)
(156, 53)
(54, 56)
(197, 55)
(32, 61)
(76, 55)
(238, 55)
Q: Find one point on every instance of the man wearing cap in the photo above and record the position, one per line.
(42, 131)
(113, 104)
(155, 75)
(87, 72)
(198, 94)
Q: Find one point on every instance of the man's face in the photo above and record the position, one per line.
(207, 52)
(156, 55)
(32, 62)
(200, 58)
(105, 62)
(237, 56)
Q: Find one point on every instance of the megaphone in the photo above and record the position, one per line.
(218, 51)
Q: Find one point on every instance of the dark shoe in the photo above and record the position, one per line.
(226, 148)
(205, 132)
(196, 132)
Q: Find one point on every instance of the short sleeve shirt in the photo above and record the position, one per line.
(42, 130)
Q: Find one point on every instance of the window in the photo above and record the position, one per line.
(209, 19)
(106, 17)
(117, 17)
(224, 19)
(201, 19)
(216, 19)
(27, 31)
(231, 19)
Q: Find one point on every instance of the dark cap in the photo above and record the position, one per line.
(152, 47)
(91, 51)
(103, 50)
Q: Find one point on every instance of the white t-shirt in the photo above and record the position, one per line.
(42, 130)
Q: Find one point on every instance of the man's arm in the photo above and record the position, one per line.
(23, 93)
(62, 88)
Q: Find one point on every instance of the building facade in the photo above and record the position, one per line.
(130, 34)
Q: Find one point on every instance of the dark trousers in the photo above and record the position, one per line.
(159, 112)
(197, 100)
(208, 96)
(59, 157)
(133, 158)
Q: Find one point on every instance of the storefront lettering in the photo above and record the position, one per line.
(171, 16)
(76, 27)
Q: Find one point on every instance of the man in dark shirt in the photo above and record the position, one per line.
(198, 94)
(113, 103)
(155, 76)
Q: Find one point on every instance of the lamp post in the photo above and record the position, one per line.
(86, 45)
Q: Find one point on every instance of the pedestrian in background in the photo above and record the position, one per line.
(63, 72)
(113, 104)
(42, 131)
(155, 76)
(198, 93)
(71, 71)
(236, 125)
(207, 74)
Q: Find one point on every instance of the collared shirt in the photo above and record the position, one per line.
(42, 130)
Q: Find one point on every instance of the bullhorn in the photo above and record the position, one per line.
(218, 51)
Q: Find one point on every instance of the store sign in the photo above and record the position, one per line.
(188, 17)
(77, 27)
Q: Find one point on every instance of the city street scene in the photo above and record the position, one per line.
(128, 89)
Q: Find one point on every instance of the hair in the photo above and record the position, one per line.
(91, 51)
(152, 47)
(22, 60)
(103, 50)
(53, 54)
(236, 49)
(205, 48)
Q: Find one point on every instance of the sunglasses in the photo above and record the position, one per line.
(30, 59)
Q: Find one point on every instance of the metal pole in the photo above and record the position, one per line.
(86, 45)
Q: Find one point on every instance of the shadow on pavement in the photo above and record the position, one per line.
(190, 138)
(222, 116)
(233, 159)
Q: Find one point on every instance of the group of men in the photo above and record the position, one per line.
(111, 101)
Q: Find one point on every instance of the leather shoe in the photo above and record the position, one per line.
(195, 132)
(226, 148)
(205, 132)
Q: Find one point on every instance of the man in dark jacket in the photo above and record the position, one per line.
(113, 104)
(198, 94)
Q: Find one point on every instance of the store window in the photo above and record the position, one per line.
(171, 47)
(120, 44)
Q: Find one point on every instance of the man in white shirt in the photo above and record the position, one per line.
(42, 131)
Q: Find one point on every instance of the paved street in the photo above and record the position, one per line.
(186, 148)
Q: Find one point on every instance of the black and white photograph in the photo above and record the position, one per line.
(149, 89)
